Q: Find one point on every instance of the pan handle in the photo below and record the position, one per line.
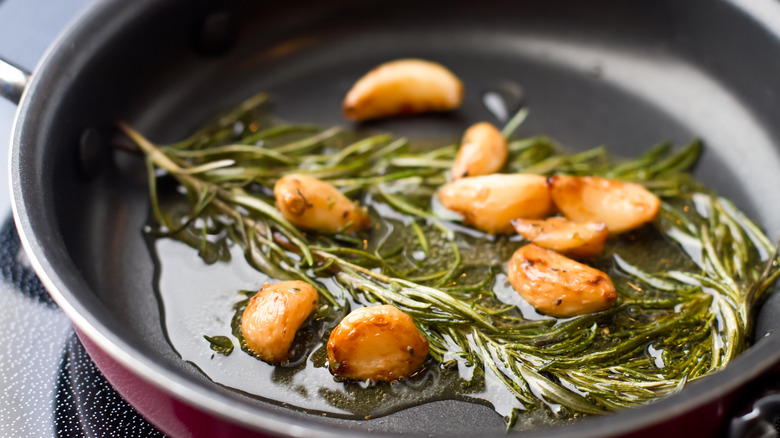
(13, 80)
(761, 422)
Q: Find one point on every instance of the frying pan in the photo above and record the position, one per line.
(624, 74)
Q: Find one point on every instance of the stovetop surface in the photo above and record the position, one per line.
(50, 385)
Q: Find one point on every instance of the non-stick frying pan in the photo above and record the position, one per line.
(624, 74)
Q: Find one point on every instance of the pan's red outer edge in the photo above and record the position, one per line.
(178, 419)
(166, 413)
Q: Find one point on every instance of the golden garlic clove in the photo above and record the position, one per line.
(576, 239)
(404, 86)
(273, 315)
(376, 343)
(312, 204)
(559, 286)
(482, 152)
(622, 206)
(490, 202)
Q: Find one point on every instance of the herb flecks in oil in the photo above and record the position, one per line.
(220, 344)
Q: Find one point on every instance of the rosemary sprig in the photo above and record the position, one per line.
(696, 318)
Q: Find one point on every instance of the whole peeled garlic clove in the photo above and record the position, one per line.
(557, 285)
(482, 152)
(274, 315)
(376, 343)
(313, 204)
(575, 239)
(622, 206)
(490, 202)
(404, 86)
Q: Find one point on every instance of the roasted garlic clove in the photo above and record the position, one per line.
(483, 151)
(376, 343)
(404, 86)
(622, 206)
(557, 285)
(490, 202)
(312, 204)
(576, 239)
(273, 315)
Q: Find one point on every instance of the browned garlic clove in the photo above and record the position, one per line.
(376, 343)
(622, 206)
(490, 202)
(312, 204)
(404, 86)
(273, 315)
(576, 239)
(557, 285)
(483, 151)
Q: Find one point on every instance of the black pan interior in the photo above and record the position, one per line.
(623, 74)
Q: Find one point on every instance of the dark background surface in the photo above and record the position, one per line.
(27, 27)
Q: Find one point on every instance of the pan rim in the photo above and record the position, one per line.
(176, 386)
